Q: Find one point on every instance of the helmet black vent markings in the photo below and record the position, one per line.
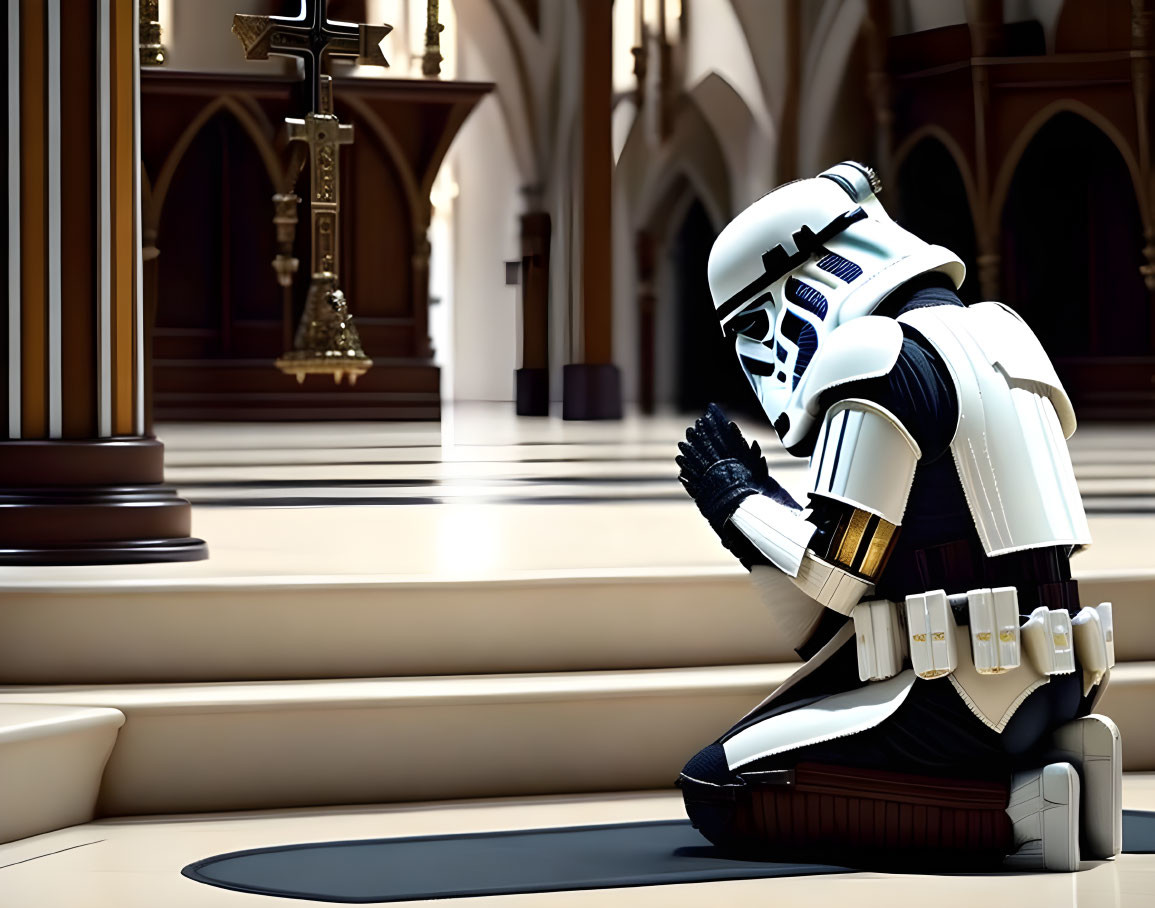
(843, 269)
(807, 346)
(806, 296)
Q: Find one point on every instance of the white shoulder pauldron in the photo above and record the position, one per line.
(1013, 417)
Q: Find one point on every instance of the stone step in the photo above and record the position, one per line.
(234, 746)
(51, 761)
(237, 746)
(194, 629)
(241, 629)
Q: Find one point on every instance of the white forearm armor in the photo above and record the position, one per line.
(865, 459)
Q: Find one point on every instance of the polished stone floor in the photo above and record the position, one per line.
(136, 862)
(486, 494)
(483, 496)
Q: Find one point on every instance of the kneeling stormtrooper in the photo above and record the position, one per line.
(944, 711)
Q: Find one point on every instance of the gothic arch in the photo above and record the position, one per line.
(1071, 258)
(723, 48)
(692, 151)
(255, 127)
(1018, 147)
(501, 40)
(418, 203)
(934, 197)
(741, 139)
(823, 78)
(935, 132)
(764, 40)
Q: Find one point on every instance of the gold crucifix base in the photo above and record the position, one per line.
(327, 342)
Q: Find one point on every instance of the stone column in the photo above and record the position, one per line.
(985, 20)
(788, 137)
(533, 376)
(876, 29)
(593, 386)
(79, 480)
(647, 311)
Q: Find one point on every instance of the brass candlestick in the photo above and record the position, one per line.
(431, 61)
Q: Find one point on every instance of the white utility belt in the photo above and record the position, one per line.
(924, 634)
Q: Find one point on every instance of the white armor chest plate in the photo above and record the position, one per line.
(1009, 445)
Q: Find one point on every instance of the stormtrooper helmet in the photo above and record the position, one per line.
(803, 260)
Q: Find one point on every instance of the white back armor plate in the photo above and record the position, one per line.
(1014, 415)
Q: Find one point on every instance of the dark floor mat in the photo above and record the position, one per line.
(521, 861)
(496, 863)
(1139, 831)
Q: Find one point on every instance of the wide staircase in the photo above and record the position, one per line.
(185, 689)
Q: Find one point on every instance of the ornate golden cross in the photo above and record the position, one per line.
(324, 135)
(326, 341)
(311, 38)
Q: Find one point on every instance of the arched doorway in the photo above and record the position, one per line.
(705, 367)
(216, 292)
(1072, 239)
(933, 204)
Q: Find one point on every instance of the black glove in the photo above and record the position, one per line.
(719, 469)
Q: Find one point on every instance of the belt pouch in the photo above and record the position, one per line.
(1046, 637)
(879, 638)
(931, 633)
(994, 629)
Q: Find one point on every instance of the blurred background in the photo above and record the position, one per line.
(482, 235)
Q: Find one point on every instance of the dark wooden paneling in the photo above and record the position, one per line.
(1065, 234)
(218, 306)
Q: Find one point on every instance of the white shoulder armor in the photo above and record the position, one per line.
(1009, 443)
(866, 458)
(868, 347)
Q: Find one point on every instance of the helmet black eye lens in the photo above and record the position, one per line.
(754, 325)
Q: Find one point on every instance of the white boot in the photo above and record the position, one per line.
(1044, 809)
(1093, 746)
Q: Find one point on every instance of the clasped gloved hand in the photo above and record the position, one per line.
(719, 469)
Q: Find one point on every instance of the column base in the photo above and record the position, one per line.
(98, 501)
(591, 391)
(532, 392)
(132, 552)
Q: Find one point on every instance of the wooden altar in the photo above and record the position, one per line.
(214, 154)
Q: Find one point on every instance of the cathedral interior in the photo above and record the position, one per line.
(344, 383)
